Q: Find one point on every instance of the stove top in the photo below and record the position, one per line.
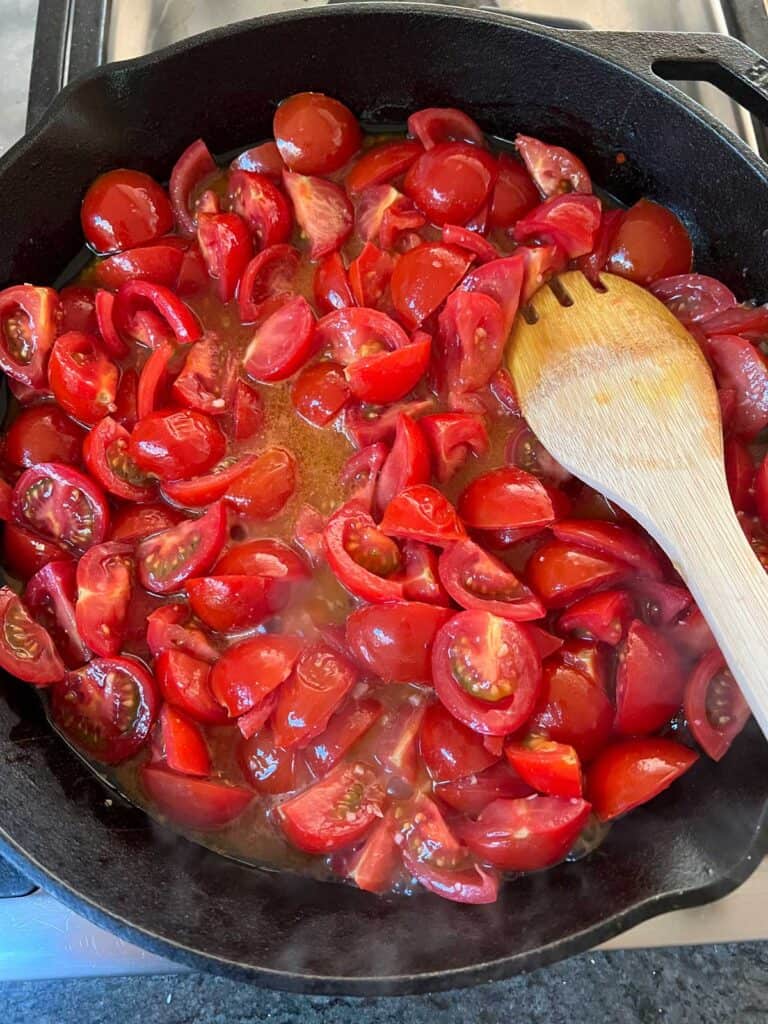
(39, 937)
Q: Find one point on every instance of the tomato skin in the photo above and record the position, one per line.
(262, 206)
(351, 334)
(388, 376)
(76, 306)
(26, 649)
(452, 436)
(527, 834)
(407, 463)
(449, 749)
(248, 672)
(262, 491)
(268, 277)
(573, 709)
(514, 194)
(471, 793)
(506, 499)
(604, 616)
(394, 640)
(650, 243)
(715, 719)
(194, 164)
(470, 642)
(553, 168)
(283, 343)
(203, 490)
(348, 525)
(320, 392)
(433, 125)
(25, 552)
(322, 211)
(202, 804)
(207, 381)
(612, 541)
(551, 768)
(475, 579)
(83, 380)
(320, 682)
(263, 159)
(174, 445)
(166, 559)
(28, 326)
(330, 286)
(561, 573)
(422, 513)
(42, 433)
(135, 298)
(473, 242)
(104, 587)
(633, 771)
(451, 181)
(469, 345)
(423, 277)
(268, 768)
(570, 221)
(178, 742)
(49, 597)
(61, 504)
(693, 297)
(374, 867)
(225, 243)
(229, 603)
(381, 164)
(184, 682)
(133, 523)
(123, 209)
(649, 682)
(159, 262)
(105, 453)
(315, 134)
(344, 729)
(741, 366)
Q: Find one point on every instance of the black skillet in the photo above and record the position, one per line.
(597, 94)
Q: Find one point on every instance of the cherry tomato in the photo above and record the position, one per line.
(514, 194)
(471, 793)
(248, 672)
(451, 181)
(540, 263)
(262, 206)
(26, 649)
(315, 134)
(470, 342)
(248, 412)
(524, 450)
(225, 243)
(320, 392)
(714, 706)
(400, 223)
(283, 343)
(365, 426)
(203, 490)
(561, 573)
(178, 743)
(159, 262)
(28, 326)
(322, 210)
(61, 504)
(133, 522)
(741, 366)
(634, 771)
(407, 463)
(330, 285)
(193, 166)
(264, 557)
(486, 672)
(50, 599)
(105, 451)
(153, 387)
(660, 603)
(106, 708)
(434, 125)
(420, 579)
(501, 280)
(449, 749)
(551, 768)
(230, 603)
(321, 681)
(394, 640)
(76, 303)
(184, 682)
(194, 803)
(593, 263)
(268, 768)
(573, 709)
(423, 277)
(361, 556)
(166, 559)
(369, 275)
(553, 169)
(746, 319)
(122, 209)
(380, 164)
(370, 208)
(42, 433)
(264, 159)
(352, 334)
(343, 730)
(207, 380)
(527, 834)
(423, 513)
(104, 587)
(604, 616)
(475, 579)
(374, 867)
(263, 489)
(693, 297)
(740, 474)
(268, 277)
(135, 298)
(650, 243)
(506, 499)
(473, 242)
(570, 221)
(452, 436)
(82, 378)
(612, 541)
(176, 444)
(24, 552)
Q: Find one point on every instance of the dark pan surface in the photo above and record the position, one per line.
(104, 857)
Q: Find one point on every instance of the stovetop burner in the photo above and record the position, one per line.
(39, 937)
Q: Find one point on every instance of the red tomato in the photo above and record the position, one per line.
(369, 275)
(394, 640)
(193, 166)
(352, 334)
(451, 181)
(501, 280)
(761, 490)
(168, 630)
(506, 499)
(470, 342)
(374, 867)
(77, 305)
(321, 681)
(714, 706)
(553, 169)
(268, 768)
(105, 452)
(323, 212)
(365, 426)
(740, 474)
(381, 164)
(262, 206)
(475, 579)
(207, 380)
(449, 749)
(330, 286)
(42, 433)
(315, 134)
(24, 552)
(593, 263)
(589, 657)
(264, 557)
(370, 208)
(320, 392)
(268, 277)
(486, 671)
(178, 743)
(61, 504)
(407, 463)
(361, 556)
(153, 389)
(138, 297)
(650, 243)
(185, 683)
(50, 599)
(612, 541)
(343, 730)
(400, 222)
(693, 297)
(248, 412)
(176, 444)
(514, 194)
(334, 812)
(83, 380)
(396, 742)
(106, 708)
(262, 491)
(122, 209)
(527, 834)
(420, 578)
(540, 263)
(28, 326)
(741, 366)
(471, 793)
(166, 559)
(570, 221)
(230, 603)
(283, 343)
(452, 436)
(649, 681)
(159, 262)
(634, 771)
(202, 490)
(104, 588)
(745, 319)
(248, 672)
(660, 603)
(133, 522)
(226, 246)
(473, 242)
(26, 649)
(433, 125)
(549, 767)
(524, 450)
(561, 573)
(423, 513)
(605, 616)
(360, 472)
(423, 277)
(573, 709)
(308, 533)
(263, 159)
(194, 803)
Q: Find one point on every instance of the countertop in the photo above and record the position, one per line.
(700, 985)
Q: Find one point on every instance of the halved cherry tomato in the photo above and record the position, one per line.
(650, 243)
(230, 603)
(207, 380)
(473, 242)
(166, 559)
(502, 281)
(137, 297)
(400, 222)
(433, 125)
(527, 834)
(420, 575)
(26, 649)
(343, 730)
(202, 490)
(693, 297)
(62, 504)
(106, 708)
(323, 212)
(176, 444)
(263, 489)
(361, 556)
(475, 579)
(268, 768)
(25, 552)
(82, 378)
(605, 616)
(202, 804)
(264, 159)
(248, 672)
(283, 343)
(122, 209)
(486, 671)
(168, 630)
(551, 768)
(133, 522)
(649, 681)
(262, 206)
(320, 392)
(612, 541)
(374, 867)
(248, 412)
(423, 277)
(264, 557)
(369, 275)
(452, 436)
(451, 181)
(320, 682)
(449, 749)
(634, 771)
(268, 277)
(315, 134)
(153, 388)
(714, 706)
(28, 326)
(360, 472)
(50, 598)
(394, 640)
(514, 194)
(423, 513)
(104, 587)
(184, 682)
(159, 262)
(471, 793)
(561, 573)
(365, 426)
(470, 342)
(741, 366)
(178, 743)
(330, 286)
(352, 334)
(506, 499)
(524, 450)
(407, 463)
(370, 209)
(573, 709)
(570, 221)
(77, 308)
(42, 433)
(553, 168)
(105, 452)
(594, 659)
(593, 263)
(193, 166)
(381, 164)
(225, 243)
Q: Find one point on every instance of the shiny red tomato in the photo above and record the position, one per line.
(452, 436)
(420, 575)
(394, 640)
(361, 556)
(159, 262)
(381, 164)
(49, 597)
(469, 345)
(248, 411)
(225, 243)
(174, 445)
(320, 392)
(433, 125)
(25, 552)
(570, 221)
(208, 379)
(365, 426)
(612, 541)
(471, 793)
(264, 159)
(741, 366)
(514, 194)
(714, 706)
(470, 240)
(319, 684)
(230, 603)
(105, 452)
(451, 181)
(104, 586)
(449, 749)
(369, 275)
(322, 211)
(178, 743)
(42, 433)
(263, 489)
(396, 740)
(26, 649)
(345, 728)
(133, 522)
(267, 279)
(203, 490)
(634, 771)
(61, 504)
(650, 243)
(202, 804)
(28, 326)
(693, 297)
(561, 573)
(506, 499)
(486, 671)
(573, 709)
(352, 334)
(649, 681)
(134, 302)
(270, 769)
(193, 166)
(475, 579)
(262, 206)
(250, 670)
(422, 513)
(423, 277)
(166, 559)
(122, 209)
(553, 168)
(407, 463)
(264, 557)
(82, 378)
(549, 767)
(283, 343)
(375, 865)
(168, 629)
(77, 309)
(604, 616)
(330, 286)
(315, 134)
(184, 682)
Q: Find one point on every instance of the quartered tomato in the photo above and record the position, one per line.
(133, 522)
(451, 181)
(553, 168)
(650, 243)
(50, 597)
(452, 437)
(613, 541)
(561, 573)
(634, 771)
(570, 221)
(475, 579)
(104, 586)
(270, 769)
(330, 287)
(471, 793)
(380, 164)
(407, 463)
(122, 209)
(604, 616)
(573, 709)
(28, 327)
(61, 504)
(470, 342)
(344, 729)
(422, 513)
(394, 640)
(421, 581)
(43, 433)
(375, 865)
(82, 378)
(449, 749)
(693, 297)
(320, 392)
(160, 262)
(136, 300)
(264, 159)
(433, 125)
(320, 682)
(423, 277)
(714, 706)
(352, 334)
(268, 278)
(105, 452)
(176, 444)
(361, 556)
(649, 681)
(26, 649)
(165, 560)
(249, 671)
(741, 366)
(506, 499)
(549, 767)
(194, 803)
(283, 343)
(514, 194)
(225, 243)
(77, 309)
(248, 411)
(262, 206)
(323, 212)
(388, 376)
(207, 380)
(262, 491)
(178, 743)
(184, 682)
(315, 133)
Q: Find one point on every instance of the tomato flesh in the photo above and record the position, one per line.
(395, 640)
(714, 706)
(634, 771)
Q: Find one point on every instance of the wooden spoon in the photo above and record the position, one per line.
(620, 393)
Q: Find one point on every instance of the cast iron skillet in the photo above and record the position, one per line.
(596, 94)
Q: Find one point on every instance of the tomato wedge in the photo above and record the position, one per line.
(28, 327)
(514, 194)
(26, 649)
(573, 709)
(352, 334)
(230, 603)
(561, 573)
(345, 728)
(650, 243)
(381, 164)
(105, 452)
(475, 579)
(449, 749)
(553, 168)
(423, 513)
(194, 803)
(262, 490)
(50, 599)
(42, 433)
(25, 552)
(693, 297)
(207, 380)
(570, 221)
(506, 499)
(132, 523)
(135, 297)
(423, 278)
(714, 706)
(330, 285)
(83, 380)
(394, 640)
(471, 793)
(444, 124)
(604, 616)
(323, 212)
(320, 682)
(166, 559)
(225, 243)
(184, 682)
(61, 504)
(613, 541)
(320, 392)
(263, 159)
(375, 865)
(175, 444)
(193, 166)
(248, 672)
(634, 771)
(159, 262)
(549, 767)
(361, 556)
(451, 181)
(178, 743)
(283, 343)
(407, 463)
(203, 490)
(388, 376)
(649, 681)
(270, 276)
(742, 367)
(104, 587)
(452, 437)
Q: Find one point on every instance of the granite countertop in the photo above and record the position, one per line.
(700, 985)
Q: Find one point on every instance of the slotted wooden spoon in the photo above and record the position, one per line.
(621, 394)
